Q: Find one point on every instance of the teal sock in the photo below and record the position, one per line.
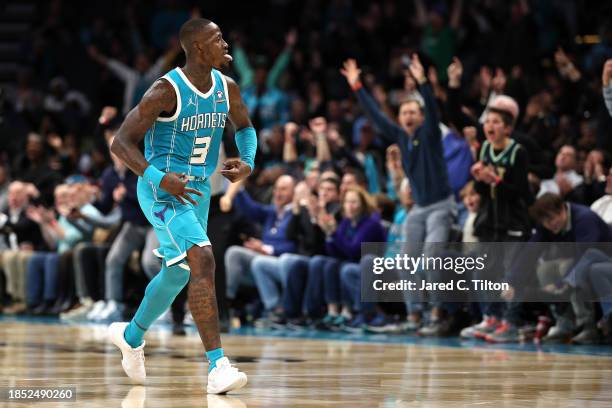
(213, 356)
(134, 334)
(159, 295)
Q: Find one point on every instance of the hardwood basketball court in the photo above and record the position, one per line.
(300, 372)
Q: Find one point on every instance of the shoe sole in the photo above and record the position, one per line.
(481, 335)
(381, 329)
(296, 328)
(113, 333)
(240, 382)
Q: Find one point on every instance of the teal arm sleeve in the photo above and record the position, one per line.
(246, 141)
(153, 175)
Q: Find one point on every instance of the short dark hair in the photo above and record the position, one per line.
(546, 206)
(359, 175)
(334, 181)
(506, 116)
(189, 29)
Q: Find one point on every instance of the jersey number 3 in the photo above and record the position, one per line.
(200, 150)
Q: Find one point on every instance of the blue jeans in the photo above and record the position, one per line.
(295, 268)
(350, 277)
(323, 284)
(238, 269)
(601, 279)
(579, 276)
(269, 279)
(41, 278)
(593, 272)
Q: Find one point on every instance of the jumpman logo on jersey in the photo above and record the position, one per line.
(161, 214)
(191, 101)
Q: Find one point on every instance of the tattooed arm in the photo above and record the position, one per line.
(160, 98)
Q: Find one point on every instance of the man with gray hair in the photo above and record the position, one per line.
(274, 219)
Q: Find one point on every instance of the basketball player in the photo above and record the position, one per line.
(181, 119)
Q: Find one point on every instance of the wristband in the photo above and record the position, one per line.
(246, 141)
(153, 175)
(356, 86)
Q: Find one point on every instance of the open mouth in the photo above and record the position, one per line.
(228, 57)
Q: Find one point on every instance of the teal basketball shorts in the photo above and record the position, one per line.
(177, 226)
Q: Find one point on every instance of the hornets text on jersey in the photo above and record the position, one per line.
(189, 141)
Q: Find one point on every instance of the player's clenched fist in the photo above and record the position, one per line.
(176, 184)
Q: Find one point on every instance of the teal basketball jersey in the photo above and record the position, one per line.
(189, 141)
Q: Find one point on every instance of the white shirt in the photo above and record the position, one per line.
(468, 228)
(603, 208)
(551, 186)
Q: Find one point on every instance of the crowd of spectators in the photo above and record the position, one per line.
(378, 121)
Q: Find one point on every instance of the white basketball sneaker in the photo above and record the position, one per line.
(225, 377)
(133, 358)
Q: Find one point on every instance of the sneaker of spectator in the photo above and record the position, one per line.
(113, 312)
(325, 323)
(62, 305)
(298, 324)
(412, 324)
(505, 333)
(273, 320)
(42, 309)
(588, 335)
(355, 325)
(386, 327)
(483, 332)
(79, 312)
(95, 311)
(442, 324)
(479, 331)
(559, 333)
(15, 308)
(441, 327)
(379, 324)
(338, 322)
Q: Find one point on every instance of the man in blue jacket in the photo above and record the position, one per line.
(274, 219)
(420, 141)
(558, 221)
